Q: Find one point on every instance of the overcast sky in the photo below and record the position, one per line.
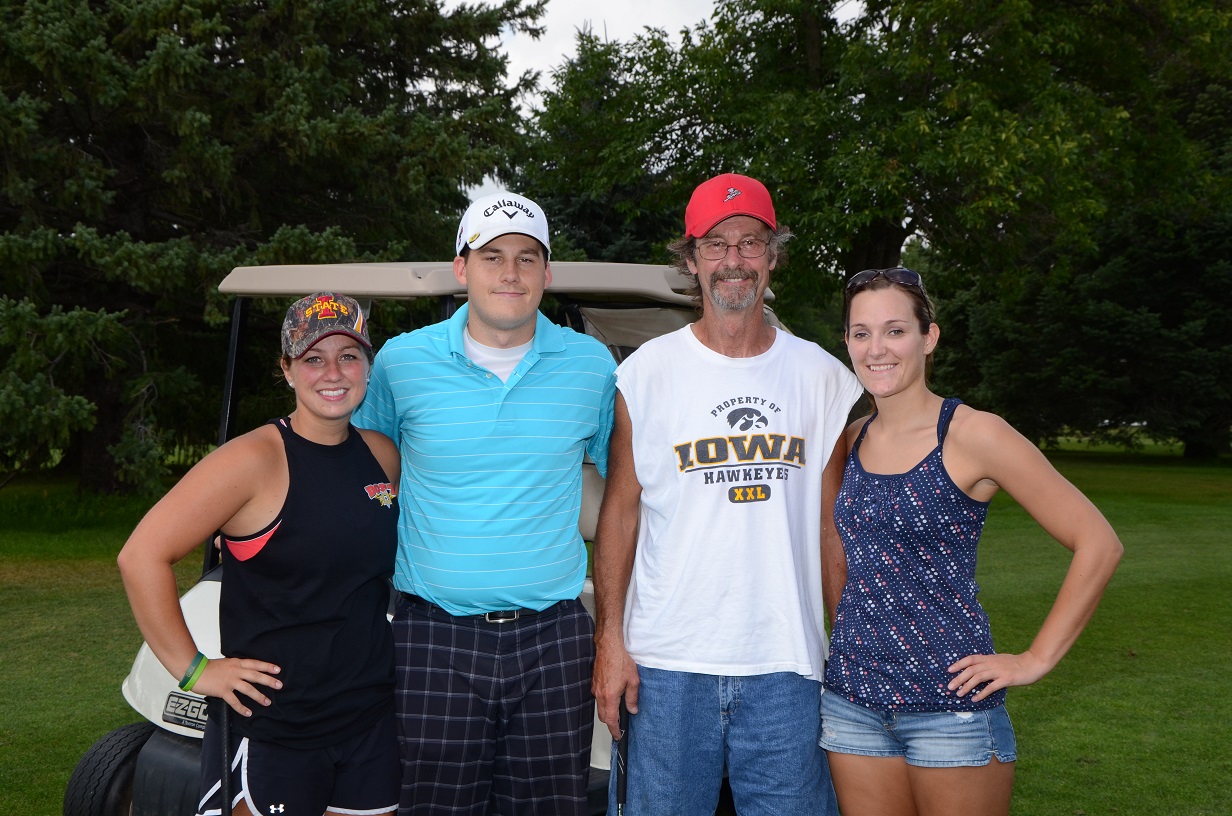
(618, 19)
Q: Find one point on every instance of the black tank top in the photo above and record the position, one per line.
(310, 593)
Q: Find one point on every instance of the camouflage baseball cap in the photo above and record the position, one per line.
(311, 318)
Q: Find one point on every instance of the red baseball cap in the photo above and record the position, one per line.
(724, 196)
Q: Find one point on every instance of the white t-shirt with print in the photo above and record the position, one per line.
(729, 453)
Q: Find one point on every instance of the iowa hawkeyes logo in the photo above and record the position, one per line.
(746, 419)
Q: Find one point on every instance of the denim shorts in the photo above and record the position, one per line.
(928, 739)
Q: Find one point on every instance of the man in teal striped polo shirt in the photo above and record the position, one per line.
(493, 410)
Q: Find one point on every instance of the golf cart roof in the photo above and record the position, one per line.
(404, 280)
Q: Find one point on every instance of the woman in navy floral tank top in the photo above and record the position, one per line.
(913, 716)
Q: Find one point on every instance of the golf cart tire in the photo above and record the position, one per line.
(102, 782)
(168, 779)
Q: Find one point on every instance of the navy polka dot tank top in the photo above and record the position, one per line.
(909, 609)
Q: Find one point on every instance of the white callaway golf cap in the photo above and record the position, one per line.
(500, 214)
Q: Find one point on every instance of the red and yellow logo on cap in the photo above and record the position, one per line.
(326, 308)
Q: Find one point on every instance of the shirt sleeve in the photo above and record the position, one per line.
(377, 412)
(597, 447)
(843, 390)
(852, 391)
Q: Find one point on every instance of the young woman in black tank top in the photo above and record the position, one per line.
(307, 510)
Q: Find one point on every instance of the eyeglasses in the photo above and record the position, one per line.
(895, 274)
(715, 249)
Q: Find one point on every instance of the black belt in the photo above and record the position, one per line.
(502, 616)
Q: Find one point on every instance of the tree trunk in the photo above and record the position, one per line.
(97, 467)
(878, 245)
(1207, 443)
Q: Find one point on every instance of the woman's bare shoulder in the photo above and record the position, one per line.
(989, 438)
(852, 432)
(250, 449)
(385, 451)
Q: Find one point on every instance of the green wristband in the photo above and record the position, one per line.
(193, 673)
(192, 681)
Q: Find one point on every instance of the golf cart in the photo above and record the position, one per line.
(150, 768)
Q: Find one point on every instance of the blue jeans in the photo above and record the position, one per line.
(764, 729)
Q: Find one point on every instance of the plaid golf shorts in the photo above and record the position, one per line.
(494, 716)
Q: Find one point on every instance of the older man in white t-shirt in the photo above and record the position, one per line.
(709, 563)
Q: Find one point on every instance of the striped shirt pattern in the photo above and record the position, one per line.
(491, 471)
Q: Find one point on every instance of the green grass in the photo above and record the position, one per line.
(1145, 447)
(1131, 722)
(67, 638)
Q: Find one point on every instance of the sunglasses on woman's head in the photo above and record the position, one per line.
(895, 274)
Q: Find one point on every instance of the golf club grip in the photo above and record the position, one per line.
(622, 760)
(224, 782)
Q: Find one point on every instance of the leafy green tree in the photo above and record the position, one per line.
(603, 155)
(1131, 342)
(150, 146)
(39, 353)
(1006, 138)
(935, 118)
